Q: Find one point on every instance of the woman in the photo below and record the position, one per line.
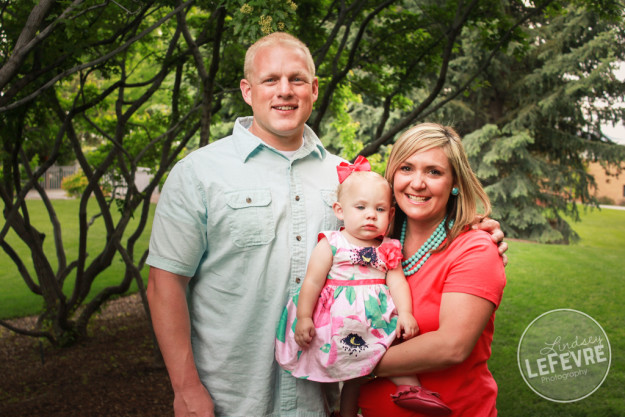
(455, 274)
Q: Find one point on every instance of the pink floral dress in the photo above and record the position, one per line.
(355, 317)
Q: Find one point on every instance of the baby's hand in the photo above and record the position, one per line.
(304, 331)
(407, 326)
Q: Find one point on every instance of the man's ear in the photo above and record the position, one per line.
(246, 91)
(315, 89)
(338, 210)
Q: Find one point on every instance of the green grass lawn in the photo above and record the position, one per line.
(16, 300)
(587, 276)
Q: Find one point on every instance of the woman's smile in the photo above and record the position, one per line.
(417, 199)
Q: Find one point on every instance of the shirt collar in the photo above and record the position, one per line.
(247, 143)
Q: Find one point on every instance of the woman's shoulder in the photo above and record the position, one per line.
(475, 266)
(473, 246)
(473, 238)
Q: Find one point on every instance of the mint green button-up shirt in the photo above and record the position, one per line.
(241, 219)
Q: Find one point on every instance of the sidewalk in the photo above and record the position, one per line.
(603, 206)
(60, 194)
(56, 194)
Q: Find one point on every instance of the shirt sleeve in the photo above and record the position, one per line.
(477, 268)
(179, 230)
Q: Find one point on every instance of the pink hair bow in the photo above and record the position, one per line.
(344, 169)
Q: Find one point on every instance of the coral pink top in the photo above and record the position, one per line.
(471, 265)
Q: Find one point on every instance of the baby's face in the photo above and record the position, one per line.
(366, 208)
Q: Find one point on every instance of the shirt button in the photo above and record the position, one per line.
(298, 238)
(296, 198)
(248, 200)
(297, 280)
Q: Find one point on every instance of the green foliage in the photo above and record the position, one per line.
(346, 129)
(533, 118)
(268, 17)
(115, 86)
(75, 184)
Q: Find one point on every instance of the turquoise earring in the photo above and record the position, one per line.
(455, 191)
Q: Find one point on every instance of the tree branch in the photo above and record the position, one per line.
(337, 78)
(24, 332)
(21, 268)
(56, 226)
(419, 112)
(29, 37)
(95, 62)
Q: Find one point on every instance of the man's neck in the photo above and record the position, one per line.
(280, 143)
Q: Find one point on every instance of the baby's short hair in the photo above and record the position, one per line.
(359, 176)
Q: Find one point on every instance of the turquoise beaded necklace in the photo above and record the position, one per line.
(424, 252)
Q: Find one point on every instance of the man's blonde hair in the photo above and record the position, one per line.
(463, 208)
(275, 39)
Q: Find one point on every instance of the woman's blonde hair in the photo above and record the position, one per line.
(463, 208)
(275, 39)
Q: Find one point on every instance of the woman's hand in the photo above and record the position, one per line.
(304, 331)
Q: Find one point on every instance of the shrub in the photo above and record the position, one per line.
(606, 200)
(75, 184)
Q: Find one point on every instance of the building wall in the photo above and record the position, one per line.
(610, 186)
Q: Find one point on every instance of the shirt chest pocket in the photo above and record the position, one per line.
(250, 217)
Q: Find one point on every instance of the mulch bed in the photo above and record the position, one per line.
(113, 373)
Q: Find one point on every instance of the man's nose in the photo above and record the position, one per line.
(284, 87)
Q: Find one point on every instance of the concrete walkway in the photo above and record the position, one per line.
(57, 194)
(603, 206)
(60, 194)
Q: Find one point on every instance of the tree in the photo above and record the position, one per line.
(118, 76)
(533, 120)
(126, 83)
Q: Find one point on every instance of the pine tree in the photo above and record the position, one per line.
(533, 121)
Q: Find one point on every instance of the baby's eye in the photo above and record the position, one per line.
(360, 207)
(381, 209)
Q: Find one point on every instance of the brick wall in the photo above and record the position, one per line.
(611, 186)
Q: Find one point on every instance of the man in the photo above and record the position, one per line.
(233, 229)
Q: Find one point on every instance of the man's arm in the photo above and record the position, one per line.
(170, 319)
